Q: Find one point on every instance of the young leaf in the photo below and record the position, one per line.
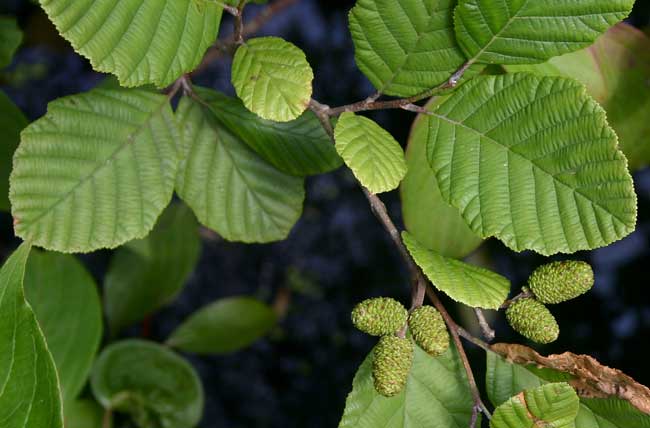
(533, 162)
(84, 414)
(224, 326)
(151, 383)
(436, 395)
(10, 39)
(529, 31)
(146, 274)
(300, 147)
(96, 171)
(273, 78)
(66, 303)
(553, 404)
(141, 42)
(30, 395)
(373, 155)
(615, 71)
(229, 187)
(429, 218)
(465, 283)
(12, 121)
(405, 47)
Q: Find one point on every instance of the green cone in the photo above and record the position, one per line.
(391, 364)
(533, 320)
(429, 330)
(561, 281)
(379, 316)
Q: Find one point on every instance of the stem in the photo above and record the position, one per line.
(525, 293)
(488, 332)
(107, 420)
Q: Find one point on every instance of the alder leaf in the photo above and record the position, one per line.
(373, 155)
(30, 395)
(12, 121)
(553, 404)
(224, 326)
(156, 387)
(405, 47)
(472, 285)
(531, 31)
(96, 171)
(273, 78)
(229, 187)
(436, 395)
(145, 275)
(427, 216)
(300, 147)
(66, 303)
(532, 161)
(153, 41)
(10, 39)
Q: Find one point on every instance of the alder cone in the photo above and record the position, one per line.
(379, 316)
(533, 320)
(393, 357)
(429, 330)
(561, 281)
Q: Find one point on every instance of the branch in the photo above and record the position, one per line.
(525, 293)
(488, 332)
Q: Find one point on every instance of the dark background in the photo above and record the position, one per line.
(337, 254)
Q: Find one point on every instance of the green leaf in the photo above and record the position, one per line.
(30, 395)
(84, 414)
(553, 404)
(373, 155)
(224, 326)
(529, 31)
(436, 395)
(147, 274)
(12, 121)
(273, 78)
(465, 283)
(141, 42)
(10, 39)
(405, 47)
(155, 386)
(615, 70)
(533, 162)
(504, 380)
(66, 303)
(96, 171)
(229, 187)
(300, 147)
(427, 216)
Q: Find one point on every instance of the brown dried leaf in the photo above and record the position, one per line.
(592, 379)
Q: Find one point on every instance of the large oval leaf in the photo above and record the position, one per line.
(553, 404)
(224, 326)
(141, 42)
(29, 388)
(427, 216)
(151, 383)
(146, 274)
(96, 171)
(12, 121)
(373, 155)
(66, 303)
(299, 147)
(530, 31)
(465, 283)
(10, 39)
(405, 47)
(533, 162)
(437, 395)
(229, 187)
(273, 78)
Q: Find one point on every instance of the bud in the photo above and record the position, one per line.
(391, 364)
(533, 320)
(429, 330)
(379, 316)
(561, 281)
